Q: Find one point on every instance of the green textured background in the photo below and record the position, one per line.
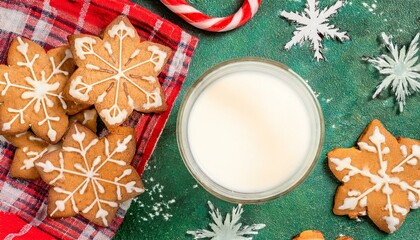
(344, 84)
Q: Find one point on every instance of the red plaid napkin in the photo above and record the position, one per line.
(49, 22)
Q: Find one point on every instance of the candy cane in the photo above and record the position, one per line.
(213, 24)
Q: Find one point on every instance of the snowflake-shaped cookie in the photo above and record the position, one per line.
(401, 70)
(91, 176)
(118, 73)
(381, 178)
(316, 235)
(230, 228)
(31, 90)
(29, 148)
(312, 24)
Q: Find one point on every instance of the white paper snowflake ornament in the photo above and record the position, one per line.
(401, 70)
(230, 228)
(313, 25)
(381, 178)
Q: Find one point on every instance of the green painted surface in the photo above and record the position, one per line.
(345, 85)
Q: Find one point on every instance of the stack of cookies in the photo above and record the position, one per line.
(49, 104)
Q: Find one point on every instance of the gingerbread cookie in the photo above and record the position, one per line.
(315, 235)
(117, 73)
(309, 235)
(29, 148)
(75, 108)
(87, 118)
(381, 178)
(91, 176)
(31, 90)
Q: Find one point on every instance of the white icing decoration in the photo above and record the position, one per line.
(121, 30)
(158, 57)
(47, 166)
(6, 126)
(80, 93)
(92, 67)
(52, 134)
(155, 96)
(412, 162)
(114, 115)
(392, 222)
(88, 115)
(60, 205)
(404, 151)
(400, 210)
(38, 92)
(91, 175)
(23, 47)
(414, 203)
(377, 137)
(415, 149)
(130, 102)
(367, 147)
(32, 156)
(101, 97)
(119, 79)
(32, 138)
(108, 48)
(382, 179)
(353, 193)
(349, 203)
(135, 53)
(411, 159)
(150, 79)
(84, 46)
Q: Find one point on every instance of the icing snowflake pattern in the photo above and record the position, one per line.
(230, 228)
(39, 87)
(400, 69)
(381, 179)
(104, 179)
(119, 73)
(29, 149)
(312, 24)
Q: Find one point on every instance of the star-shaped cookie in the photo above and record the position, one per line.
(381, 178)
(91, 176)
(31, 90)
(117, 73)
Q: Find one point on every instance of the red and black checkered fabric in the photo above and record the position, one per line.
(49, 22)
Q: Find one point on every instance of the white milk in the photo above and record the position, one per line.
(249, 131)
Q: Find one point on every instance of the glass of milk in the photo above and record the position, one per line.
(250, 130)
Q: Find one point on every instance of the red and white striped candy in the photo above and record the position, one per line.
(213, 24)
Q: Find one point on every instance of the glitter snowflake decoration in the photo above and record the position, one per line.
(400, 69)
(381, 179)
(227, 229)
(313, 25)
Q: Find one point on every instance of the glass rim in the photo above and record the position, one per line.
(203, 179)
